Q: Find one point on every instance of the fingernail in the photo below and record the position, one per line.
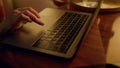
(40, 22)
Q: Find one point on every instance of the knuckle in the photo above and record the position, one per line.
(29, 8)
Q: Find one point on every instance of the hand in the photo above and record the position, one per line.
(21, 16)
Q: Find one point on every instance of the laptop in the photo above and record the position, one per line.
(60, 36)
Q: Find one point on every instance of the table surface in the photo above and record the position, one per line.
(100, 47)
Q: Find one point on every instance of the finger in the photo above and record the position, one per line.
(19, 25)
(34, 12)
(33, 17)
(16, 27)
(25, 18)
(21, 17)
(31, 10)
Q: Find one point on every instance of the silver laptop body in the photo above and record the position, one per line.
(60, 36)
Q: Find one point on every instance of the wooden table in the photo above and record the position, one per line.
(92, 52)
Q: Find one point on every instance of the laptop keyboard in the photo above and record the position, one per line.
(60, 37)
